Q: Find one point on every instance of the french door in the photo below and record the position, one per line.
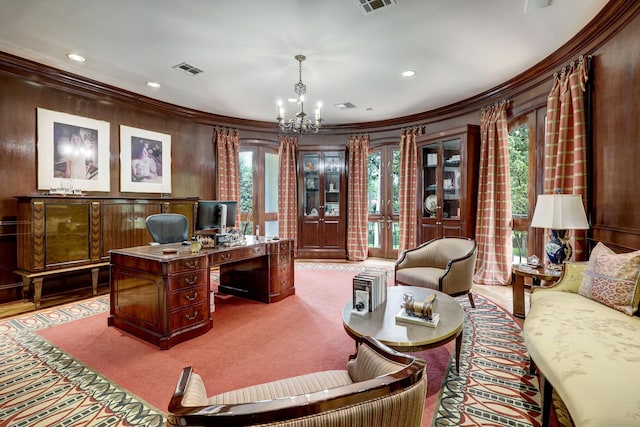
(259, 190)
(384, 202)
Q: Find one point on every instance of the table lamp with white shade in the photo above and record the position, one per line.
(559, 213)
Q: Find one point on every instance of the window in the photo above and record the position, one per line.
(519, 170)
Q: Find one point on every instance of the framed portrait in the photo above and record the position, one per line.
(73, 152)
(145, 161)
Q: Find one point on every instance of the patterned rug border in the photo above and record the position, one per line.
(17, 336)
(453, 408)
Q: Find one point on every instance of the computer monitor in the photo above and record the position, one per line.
(208, 217)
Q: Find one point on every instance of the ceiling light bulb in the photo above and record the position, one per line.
(153, 84)
(408, 73)
(75, 57)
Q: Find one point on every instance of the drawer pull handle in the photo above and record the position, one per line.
(191, 264)
(191, 297)
(195, 315)
(225, 257)
(191, 280)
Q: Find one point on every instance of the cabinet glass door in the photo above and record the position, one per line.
(451, 178)
(332, 173)
(312, 206)
(430, 183)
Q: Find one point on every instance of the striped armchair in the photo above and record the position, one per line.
(380, 387)
(445, 264)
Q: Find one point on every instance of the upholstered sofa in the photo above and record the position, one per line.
(583, 336)
(380, 387)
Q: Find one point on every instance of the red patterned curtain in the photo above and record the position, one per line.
(288, 189)
(565, 157)
(493, 223)
(408, 189)
(358, 151)
(227, 144)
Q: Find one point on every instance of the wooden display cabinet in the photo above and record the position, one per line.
(322, 205)
(448, 197)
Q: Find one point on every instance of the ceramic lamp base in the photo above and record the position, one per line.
(558, 248)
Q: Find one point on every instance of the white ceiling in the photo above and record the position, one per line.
(246, 48)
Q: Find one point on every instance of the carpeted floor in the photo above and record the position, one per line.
(493, 386)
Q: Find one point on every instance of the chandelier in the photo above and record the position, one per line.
(300, 123)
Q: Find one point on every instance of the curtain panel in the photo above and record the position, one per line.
(288, 189)
(493, 224)
(565, 160)
(357, 196)
(408, 217)
(227, 143)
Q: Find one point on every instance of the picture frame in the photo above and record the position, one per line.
(73, 153)
(145, 161)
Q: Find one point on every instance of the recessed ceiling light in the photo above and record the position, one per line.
(153, 84)
(75, 57)
(408, 73)
(292, 99)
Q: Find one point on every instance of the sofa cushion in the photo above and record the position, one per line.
(612, 279)
(590, 353)
(295, 386)
(426, 277)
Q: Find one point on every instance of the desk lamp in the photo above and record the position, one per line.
(559, 213)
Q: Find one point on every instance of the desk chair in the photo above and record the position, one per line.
(168, 227)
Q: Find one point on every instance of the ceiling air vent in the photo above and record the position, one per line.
(369, 6)
(345, 106)
(187, 69)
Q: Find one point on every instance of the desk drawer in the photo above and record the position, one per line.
(237, 254)
(188, 296)
(188, 316)
(280, 284)
(282, 246)
(186, 264)
(277, 270)
(188, 279)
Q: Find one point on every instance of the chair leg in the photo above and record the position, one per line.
(470, 295)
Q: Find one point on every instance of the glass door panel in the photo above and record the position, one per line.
(271, 165)
(451, 178)
(383, 232)
(430, 183)
(332, 173)
(311, 188)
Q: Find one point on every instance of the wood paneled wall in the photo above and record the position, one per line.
(611, 38)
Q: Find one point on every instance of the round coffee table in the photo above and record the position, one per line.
(405, 337)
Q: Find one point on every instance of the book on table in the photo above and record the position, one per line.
(369, 290)
(402, 316)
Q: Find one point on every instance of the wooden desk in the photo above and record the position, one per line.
(519, 272)
(164, 298)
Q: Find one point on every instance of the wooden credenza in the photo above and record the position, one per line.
(64, 234)
(164, 298)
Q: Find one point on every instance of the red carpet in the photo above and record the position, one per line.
(250, 343)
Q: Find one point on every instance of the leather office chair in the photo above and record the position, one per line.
(168, 227)
(445, 264)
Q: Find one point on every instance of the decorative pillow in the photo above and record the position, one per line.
(612, 279)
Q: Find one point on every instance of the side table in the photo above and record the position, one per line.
(519, 272)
